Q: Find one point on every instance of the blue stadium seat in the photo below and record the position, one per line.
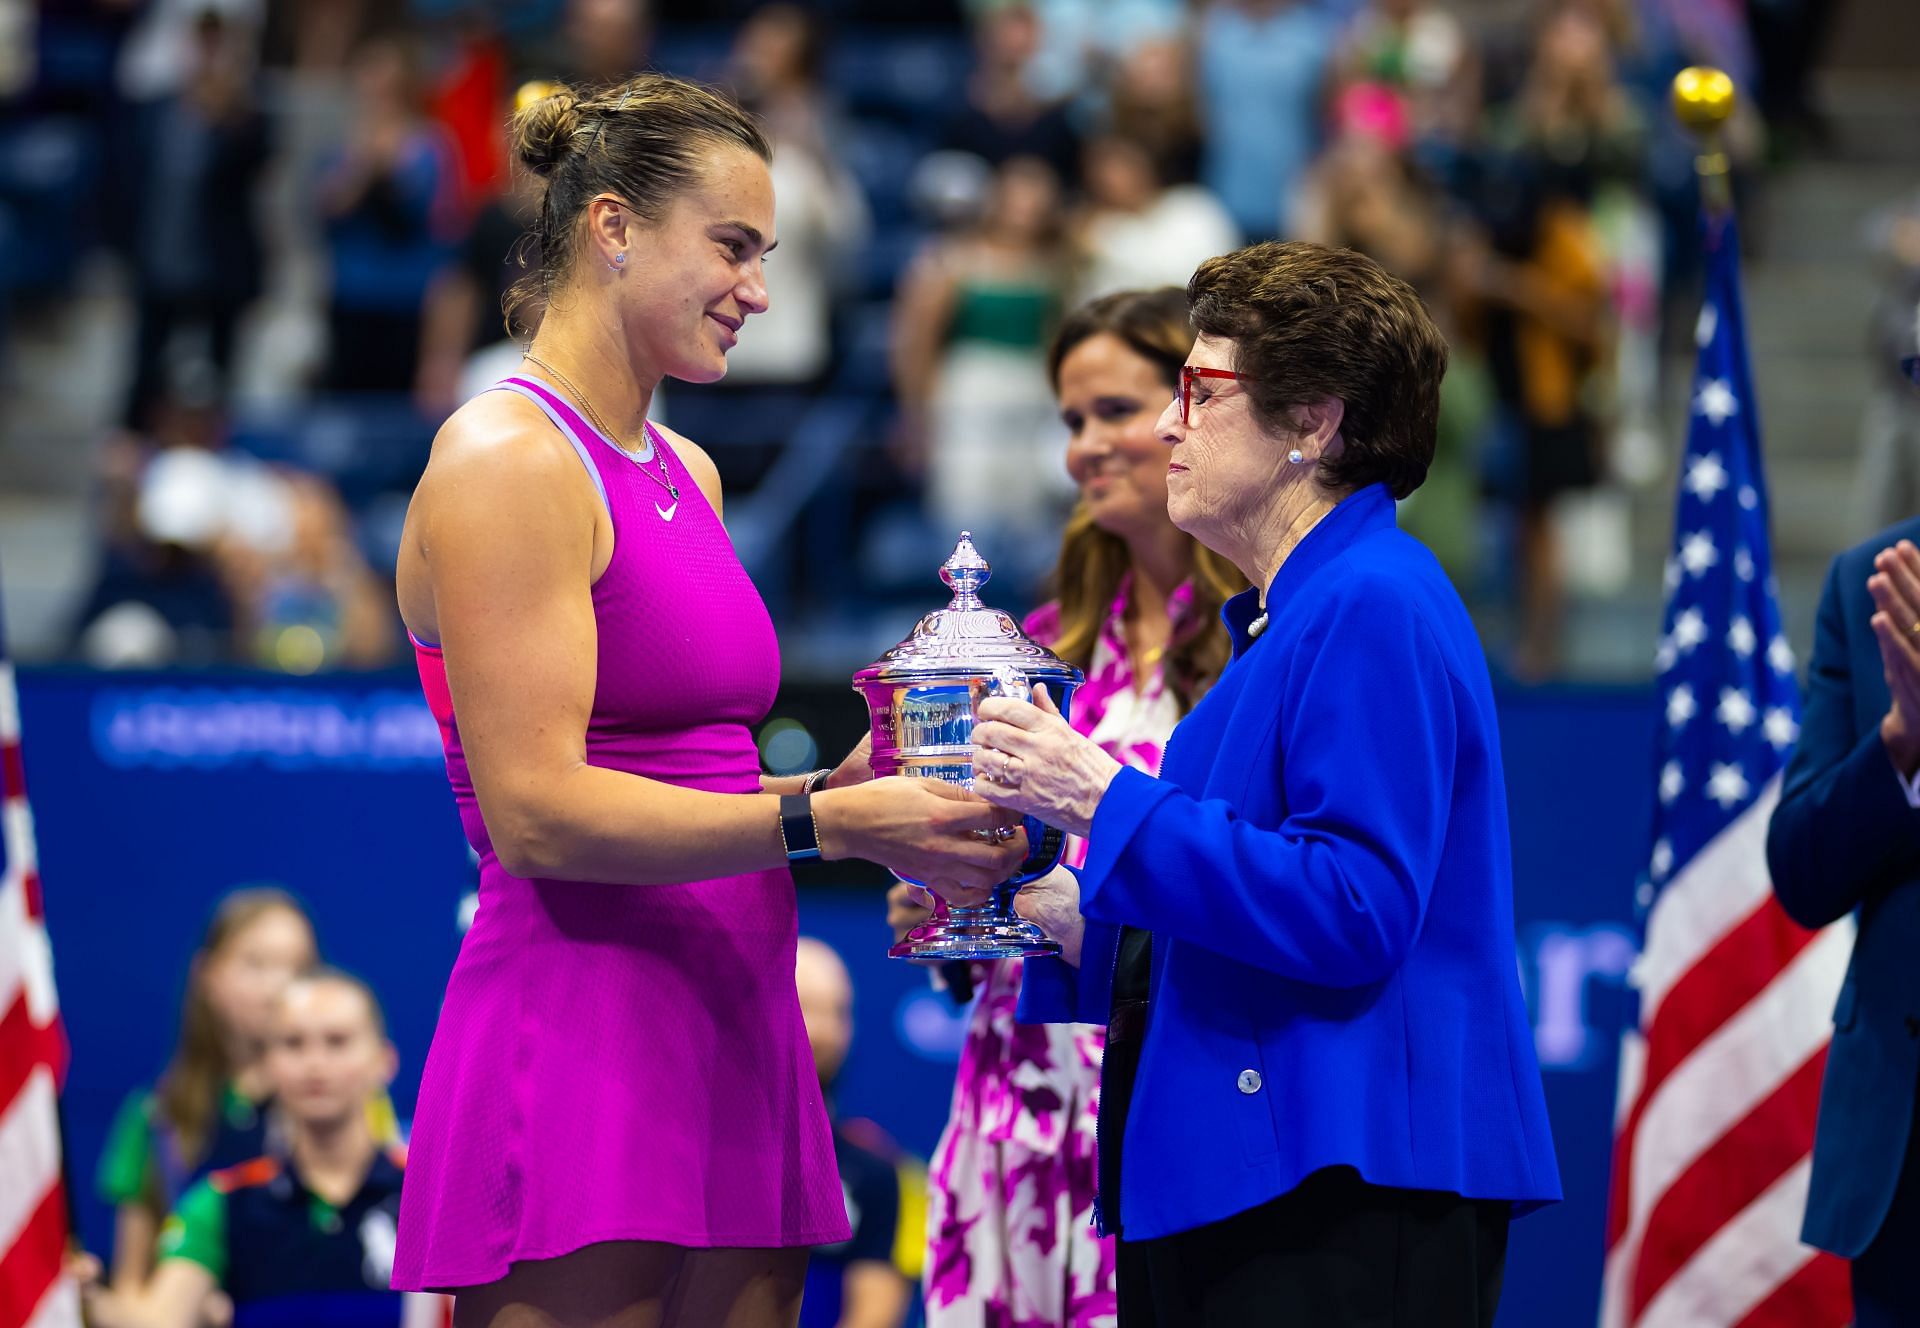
(367, 445)
(914, 79)
(49, 166)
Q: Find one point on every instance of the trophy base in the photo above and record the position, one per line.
(975, 933)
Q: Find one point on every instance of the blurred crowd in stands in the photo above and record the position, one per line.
(309, 208)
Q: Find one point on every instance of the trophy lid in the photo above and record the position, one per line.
(967, 638)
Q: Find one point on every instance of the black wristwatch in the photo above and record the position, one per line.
(799, 832)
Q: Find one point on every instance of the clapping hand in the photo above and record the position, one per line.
(1895, 587)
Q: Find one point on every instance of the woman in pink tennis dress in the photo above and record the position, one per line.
(619, 1121)
(1012, 1184)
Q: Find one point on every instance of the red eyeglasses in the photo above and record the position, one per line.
(1183, 396)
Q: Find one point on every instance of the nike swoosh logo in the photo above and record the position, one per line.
(666, 513)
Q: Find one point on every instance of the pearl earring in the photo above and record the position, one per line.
(1296, 456)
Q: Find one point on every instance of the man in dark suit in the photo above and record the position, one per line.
(1845, 839)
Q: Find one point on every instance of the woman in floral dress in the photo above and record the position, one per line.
(1012, 1183)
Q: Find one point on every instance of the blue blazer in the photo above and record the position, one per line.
(1324, 865)
(1843, 839)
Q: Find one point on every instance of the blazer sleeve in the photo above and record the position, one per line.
(1843, 829)
(1363, 745)
(1052, 991)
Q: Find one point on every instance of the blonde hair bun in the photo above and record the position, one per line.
(543, 129)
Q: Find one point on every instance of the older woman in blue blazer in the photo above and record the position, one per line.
(1320, 1103)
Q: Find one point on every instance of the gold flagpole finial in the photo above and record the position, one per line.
(1703, 98)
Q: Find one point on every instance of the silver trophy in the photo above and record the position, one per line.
(922, 701)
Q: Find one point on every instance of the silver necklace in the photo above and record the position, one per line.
(665, 477)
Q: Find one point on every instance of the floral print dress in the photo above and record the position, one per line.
(1010, 1204)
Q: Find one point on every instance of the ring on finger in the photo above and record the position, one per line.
(1010, 768)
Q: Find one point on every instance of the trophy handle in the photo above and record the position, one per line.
(1045, 844)
(1009, 682)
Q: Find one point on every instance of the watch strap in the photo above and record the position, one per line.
(799, 834)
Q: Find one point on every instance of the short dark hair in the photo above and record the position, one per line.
(644, 140)
(1309, 322)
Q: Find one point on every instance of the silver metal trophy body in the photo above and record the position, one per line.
(922, 697)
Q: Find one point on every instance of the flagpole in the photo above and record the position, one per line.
(1703, 98)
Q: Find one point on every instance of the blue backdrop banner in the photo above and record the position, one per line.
(156, 794)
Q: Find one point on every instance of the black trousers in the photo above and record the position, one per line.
(1335, 1252)
(159, 317)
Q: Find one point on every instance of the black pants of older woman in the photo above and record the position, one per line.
(1336, 1252)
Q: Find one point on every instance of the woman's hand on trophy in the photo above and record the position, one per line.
(925, 829)
(1052, 904)
(1027, 759)
(858, 766)
(907, 907)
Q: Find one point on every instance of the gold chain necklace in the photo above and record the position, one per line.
(665, 477)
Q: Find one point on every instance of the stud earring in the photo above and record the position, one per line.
(619, 261)
(1296, 456)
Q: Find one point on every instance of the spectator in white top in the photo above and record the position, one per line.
(1136, 232)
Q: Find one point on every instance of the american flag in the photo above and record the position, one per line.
(33, 1057)
(1720, 1082)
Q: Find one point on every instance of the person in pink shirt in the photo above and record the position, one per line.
(1137, 607)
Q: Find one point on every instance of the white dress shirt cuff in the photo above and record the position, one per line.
(1910, 787)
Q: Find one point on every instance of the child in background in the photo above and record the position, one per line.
(302, 1235)
(210, 1107)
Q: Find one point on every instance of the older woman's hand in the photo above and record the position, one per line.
(1052, 904)
(1026, 758)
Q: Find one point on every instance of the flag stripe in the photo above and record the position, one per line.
(1749, 1257)
(29, 1154)
(33, 903)
(13, 941)
(1738, 968)
(16, 821)
(1807, 1299)
(26, 1046)
(59, 1308)
(1739, 1167)
(1745, 1060)
(34, 1256)
(23, 951)
(9, 701)
(1707, 898)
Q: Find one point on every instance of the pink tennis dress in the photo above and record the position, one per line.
(627, 1062)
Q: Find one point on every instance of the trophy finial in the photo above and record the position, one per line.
(966, 571)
